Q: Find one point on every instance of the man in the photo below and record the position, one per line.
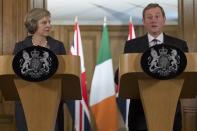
(154, 21)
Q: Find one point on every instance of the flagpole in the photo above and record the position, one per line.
(130, 19)
(105, 20)
(76, 19)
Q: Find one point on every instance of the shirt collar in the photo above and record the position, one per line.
(159, 38)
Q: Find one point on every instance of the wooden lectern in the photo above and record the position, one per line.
(159, 97)
(40, 100)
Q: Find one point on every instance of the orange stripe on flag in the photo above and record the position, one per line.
(106, 114)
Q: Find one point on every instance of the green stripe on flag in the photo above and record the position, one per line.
(104, 50)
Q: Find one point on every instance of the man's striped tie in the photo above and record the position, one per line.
(155, 42)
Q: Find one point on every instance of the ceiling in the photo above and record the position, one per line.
(118, 12)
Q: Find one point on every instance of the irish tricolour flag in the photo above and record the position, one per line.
(102, 95)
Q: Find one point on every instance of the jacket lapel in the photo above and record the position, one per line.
(167, 40)
(28, 41)
(144, 42)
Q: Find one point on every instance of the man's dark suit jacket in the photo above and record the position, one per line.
(58, 48)
(136, 114)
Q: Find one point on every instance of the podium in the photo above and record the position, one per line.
(40, 100)
(159, 97)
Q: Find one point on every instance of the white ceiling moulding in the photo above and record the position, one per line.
(118, 12)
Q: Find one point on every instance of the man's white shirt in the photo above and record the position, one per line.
(159, 39)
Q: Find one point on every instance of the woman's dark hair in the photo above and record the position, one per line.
(32, 18)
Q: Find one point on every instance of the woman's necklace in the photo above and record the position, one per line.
(42, 42)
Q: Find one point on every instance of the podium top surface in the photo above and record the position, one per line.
(68, 64)
(130, 63)
(69, 71)
(130, 72)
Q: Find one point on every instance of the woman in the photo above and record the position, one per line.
(37, 23)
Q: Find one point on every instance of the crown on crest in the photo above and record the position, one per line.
(163, 51)
(35, 53)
